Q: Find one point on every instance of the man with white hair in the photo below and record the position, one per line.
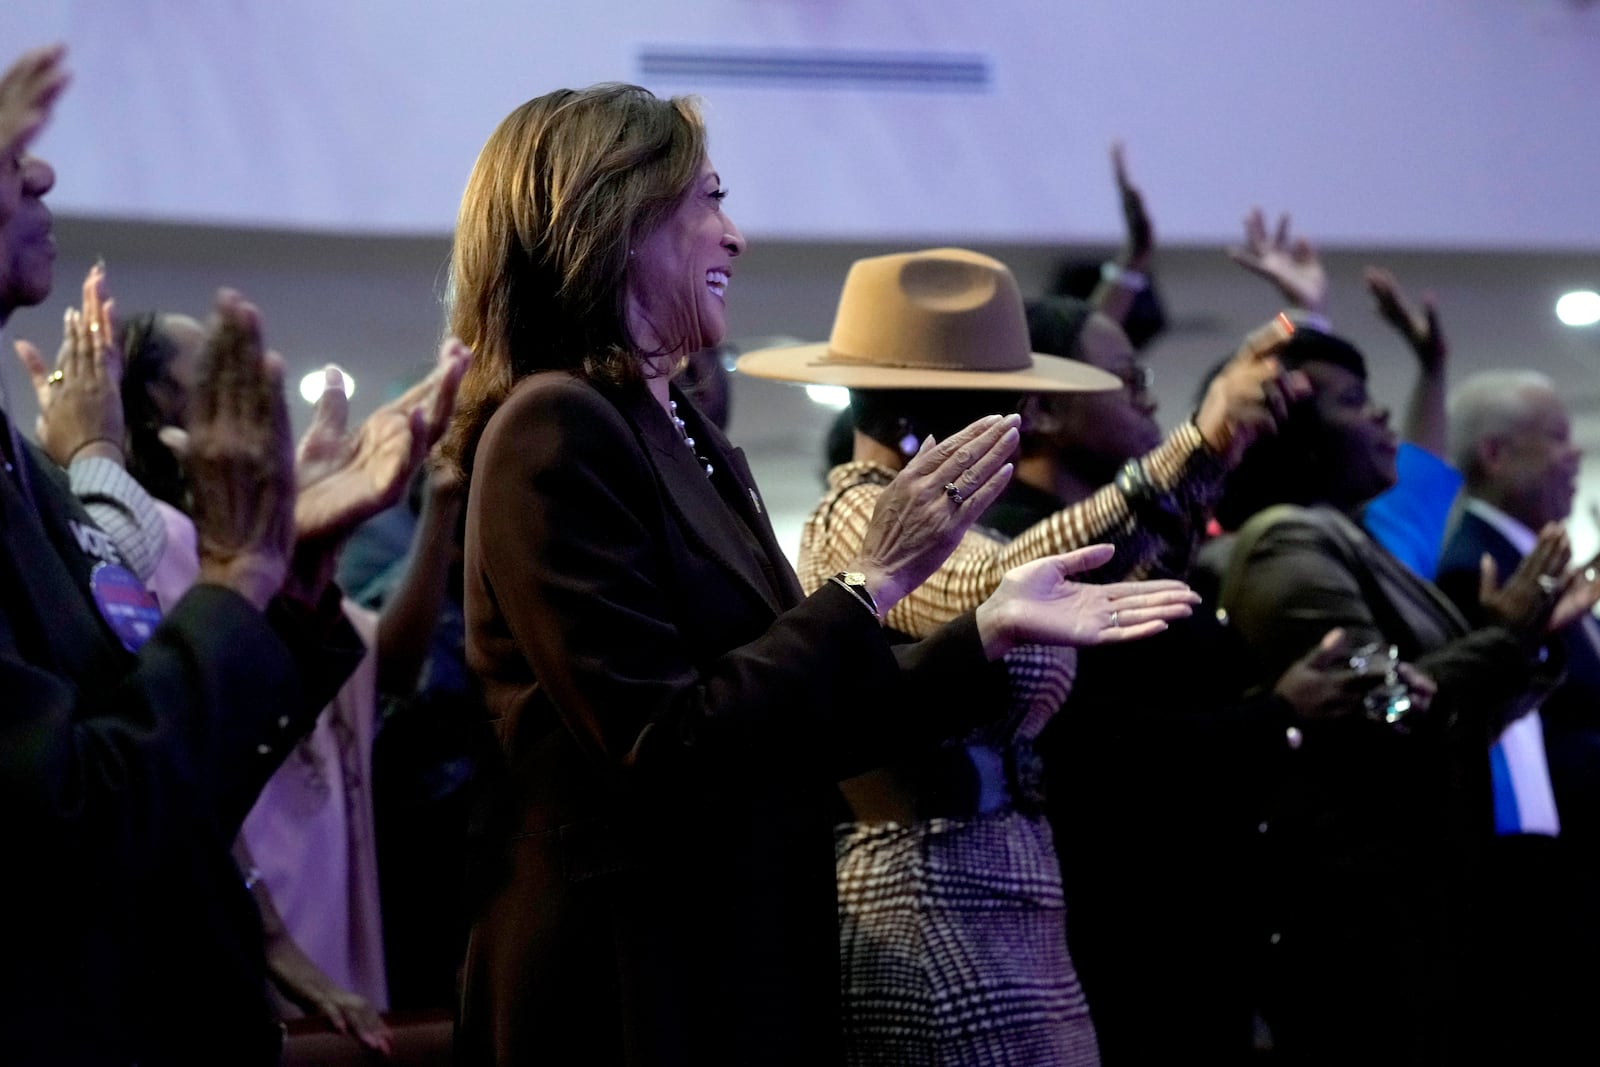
(1510, 436)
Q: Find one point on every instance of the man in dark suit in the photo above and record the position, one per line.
(1511, 439)
(132, 746)
(123, 774)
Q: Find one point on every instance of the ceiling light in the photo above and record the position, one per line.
(836, 397)
(312, 385)
(1579, 308)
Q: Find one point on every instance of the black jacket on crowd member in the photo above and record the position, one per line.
(123, 779)
(1384, 830)
(1547, 930)
(1571, 712)
(1158, 774)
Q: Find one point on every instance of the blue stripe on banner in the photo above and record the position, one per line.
(821, 69)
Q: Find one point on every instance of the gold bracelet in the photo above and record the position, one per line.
(856, 586)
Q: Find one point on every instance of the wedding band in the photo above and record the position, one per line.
(1547, 583)
(953, 491)
(1113, 620)
(1588, 574)
(55, 378)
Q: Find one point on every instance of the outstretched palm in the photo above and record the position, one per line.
(1046, 607)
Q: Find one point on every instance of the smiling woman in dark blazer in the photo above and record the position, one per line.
(672, 712)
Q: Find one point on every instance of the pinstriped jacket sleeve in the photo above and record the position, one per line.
(121, 507)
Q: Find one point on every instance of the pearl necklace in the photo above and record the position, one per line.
(683, 432)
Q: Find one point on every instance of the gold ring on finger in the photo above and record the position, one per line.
(55, 378)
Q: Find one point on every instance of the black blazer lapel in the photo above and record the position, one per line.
(689, 494)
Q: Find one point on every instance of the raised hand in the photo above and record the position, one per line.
(1250, 396)
(240, 457)
(1038, 604)
(1526, 603)
(28, 91)
(1576, 597)
(346, 476)
(923, 513)
(1420, 328)
(1139, 242)
(1289, 263)
(80, 402)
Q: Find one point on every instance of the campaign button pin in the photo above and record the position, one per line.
(127, 606)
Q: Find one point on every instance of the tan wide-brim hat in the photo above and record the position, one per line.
(941, 319)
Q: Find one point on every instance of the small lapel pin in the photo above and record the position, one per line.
(756, 500)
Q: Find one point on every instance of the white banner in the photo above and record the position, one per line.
(1424, 122)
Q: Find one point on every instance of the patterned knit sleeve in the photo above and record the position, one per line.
(838, 527)
(1158, 539)
(1155, 540)
(1040, 677)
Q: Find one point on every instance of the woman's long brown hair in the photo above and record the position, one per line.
(563, 188)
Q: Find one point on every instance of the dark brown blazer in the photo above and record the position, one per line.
(673, 716)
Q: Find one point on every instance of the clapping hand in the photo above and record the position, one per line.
(239, 454)
(80, 402)
(930, 505)
(346, 476)
(28, 91)
(1289, 263)
(1038, 603)
(1542, 596)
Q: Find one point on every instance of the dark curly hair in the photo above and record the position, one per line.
(1279, 468)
